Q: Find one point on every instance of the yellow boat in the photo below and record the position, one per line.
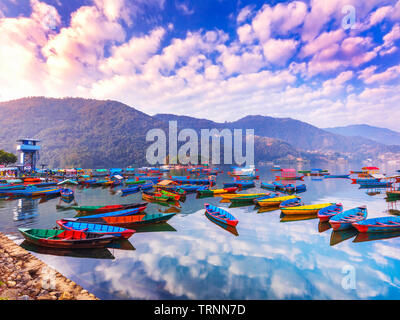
(308, 209)
(274, 201)
(228, 196)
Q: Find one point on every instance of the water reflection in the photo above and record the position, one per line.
(324, 226)
(369, 236)
(338, 236)
(98, 253)
(297, 217)
(191, 258)
(26, 208)
(230, 229)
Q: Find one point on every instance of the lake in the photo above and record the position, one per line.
(191, 257)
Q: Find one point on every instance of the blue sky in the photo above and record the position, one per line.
(217, 59)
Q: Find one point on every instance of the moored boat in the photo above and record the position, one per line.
(110, 208)
(345, 219)
(381, 224)
(135, 220)
(65, 239)
(276, 201)
(67, 224)
(328, 212)
(306, 209)
(229, 196)
(220, 215)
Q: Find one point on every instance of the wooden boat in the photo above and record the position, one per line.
(307, 209)
(32, 191)
(217, 191)
(117, 213)
(239, 184)
(170, 195)
(154, 196)
(135, 182)
(345, 219)
(376, 184)
(328, 212)
(65, 239)
(110, 208)
(66, 193)
(270, 186)
(276, 201)
(129, 221)
(130, 190)
(293, 202)
(381, 224)
(220, 215)
(338, 176)
(244, 198)
(365, 180)
(179, 193)
(66, 224)
(289, 178)
(229, 196)
(146, 186)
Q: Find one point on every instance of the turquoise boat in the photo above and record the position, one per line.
(345, 219)
(381, 224)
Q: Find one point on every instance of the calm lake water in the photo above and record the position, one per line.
(194, 258)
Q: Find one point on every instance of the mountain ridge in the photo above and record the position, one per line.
(104, 133)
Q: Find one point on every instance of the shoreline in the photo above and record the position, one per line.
(25, 277)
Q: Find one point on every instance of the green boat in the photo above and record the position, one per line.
(130, 182)
(65, 239)
(245, 199)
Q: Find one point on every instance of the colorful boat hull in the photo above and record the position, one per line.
(220, 215)
(345, 219)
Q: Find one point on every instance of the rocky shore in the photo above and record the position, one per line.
(25, 277)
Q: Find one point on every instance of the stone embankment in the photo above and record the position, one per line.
(25, 277)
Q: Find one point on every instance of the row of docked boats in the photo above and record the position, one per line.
(98, 226)
(95, 226)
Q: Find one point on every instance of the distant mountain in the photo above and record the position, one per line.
(92, 133)
(300, 135)
(381, 135)
(77, 132)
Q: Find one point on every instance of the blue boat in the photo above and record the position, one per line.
(240, 184)
(271, 195)
(146, 186)
(294, 202)
(381, 224)
(338, 176)
(269, 186)
(72, 225)
(328, 212)
(119, 213)
(220, 215)
(375, 184)
(345, 219)
(131, 189)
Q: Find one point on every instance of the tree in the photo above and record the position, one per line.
(7, 158)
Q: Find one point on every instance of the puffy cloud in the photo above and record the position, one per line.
(244, 14)
(279, 50)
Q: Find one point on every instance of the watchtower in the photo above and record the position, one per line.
(28, 151)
